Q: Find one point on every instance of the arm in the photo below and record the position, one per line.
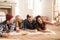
(37, 27)
(24, 24)
(2, 31)
(12, 27)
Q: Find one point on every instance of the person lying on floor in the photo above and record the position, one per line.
(7, 26)
(18, 23)
(45, 19)
(40, 24)
(29, 23)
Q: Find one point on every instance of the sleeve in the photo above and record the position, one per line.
(37, 27)
(23, 25)
(12, 27)
(44, 27)
(1, 30)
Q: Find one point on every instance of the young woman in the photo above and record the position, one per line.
(18, 22)
(40, 25)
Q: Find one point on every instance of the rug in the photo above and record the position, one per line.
(49, 32)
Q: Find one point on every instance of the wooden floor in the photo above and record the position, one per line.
(38, 37)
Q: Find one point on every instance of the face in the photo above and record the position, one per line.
(19, 19)
(30, 20)
(44, 19)
(39, 20)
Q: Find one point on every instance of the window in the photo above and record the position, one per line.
(56, 11)
(56, 8)
(58, 5)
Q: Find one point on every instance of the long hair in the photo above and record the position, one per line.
(42, 26)
(18, 24)
(37, 19)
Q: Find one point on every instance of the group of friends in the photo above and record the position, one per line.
(16, 24)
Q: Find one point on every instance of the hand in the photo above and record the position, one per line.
(32, 30)
(5, 34)
(17, 30)
(44, 31)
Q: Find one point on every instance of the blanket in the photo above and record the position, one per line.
(50, 32)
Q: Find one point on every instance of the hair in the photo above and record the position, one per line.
(38, 24)
(17, 17)
(37, 18)
(17, 23)
(28, 16)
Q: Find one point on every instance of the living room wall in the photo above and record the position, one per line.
(40, 7)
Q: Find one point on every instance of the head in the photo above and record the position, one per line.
(39, 19)
(44, 18)
(30, 18)
(18, 18)
(9, 19)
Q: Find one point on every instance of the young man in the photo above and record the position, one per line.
(29, 23)
(7, 26)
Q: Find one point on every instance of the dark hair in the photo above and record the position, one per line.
(28, 16)
(42, 26)
(37, 18)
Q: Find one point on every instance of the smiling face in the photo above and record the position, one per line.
(44, 18)
(30, 19)
(19, 19)
(39, 20)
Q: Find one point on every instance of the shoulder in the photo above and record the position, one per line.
(34, 21)
(25, 21)
(3, 23)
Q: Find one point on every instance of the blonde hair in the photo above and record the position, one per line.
(17, 25)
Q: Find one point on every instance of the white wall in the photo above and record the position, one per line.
(44, 8)
(41, 7)
(24, 8)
